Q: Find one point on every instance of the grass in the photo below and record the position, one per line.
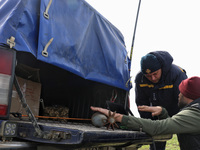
(171, 144)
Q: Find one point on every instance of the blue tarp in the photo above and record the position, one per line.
(83, 41)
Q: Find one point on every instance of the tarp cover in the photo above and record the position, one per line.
(83, 41)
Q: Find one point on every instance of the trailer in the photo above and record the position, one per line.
(58, 58)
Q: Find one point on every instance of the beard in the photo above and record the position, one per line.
(182, 104)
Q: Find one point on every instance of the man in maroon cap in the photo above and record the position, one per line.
(157, 85)
(185, 123)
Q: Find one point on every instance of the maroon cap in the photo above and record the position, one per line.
(190, 87)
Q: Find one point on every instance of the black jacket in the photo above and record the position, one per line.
(165, 92)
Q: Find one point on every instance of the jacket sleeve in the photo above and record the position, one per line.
(141, 99)
(186, 121)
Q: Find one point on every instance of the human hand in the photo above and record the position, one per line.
(155, 110)
(101, 110)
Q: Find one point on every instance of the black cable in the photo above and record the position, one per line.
(154, 145)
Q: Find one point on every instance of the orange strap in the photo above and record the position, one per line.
(47, 117)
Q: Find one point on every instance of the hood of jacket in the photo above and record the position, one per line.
(165, 60)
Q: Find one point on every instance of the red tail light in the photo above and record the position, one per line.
(3, 110)
(7, 60)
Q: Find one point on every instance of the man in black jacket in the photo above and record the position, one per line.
(157, 85)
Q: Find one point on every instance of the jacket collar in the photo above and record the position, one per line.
(195, 103)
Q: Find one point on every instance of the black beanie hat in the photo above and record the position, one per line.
(149, 63)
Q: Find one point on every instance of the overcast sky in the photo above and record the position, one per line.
(171, 25)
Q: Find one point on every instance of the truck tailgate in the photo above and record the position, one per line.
(82, 134)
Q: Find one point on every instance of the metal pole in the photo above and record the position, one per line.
(133, 40)
(132, 45)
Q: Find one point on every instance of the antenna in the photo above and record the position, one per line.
(133, 40)
(132, 45)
